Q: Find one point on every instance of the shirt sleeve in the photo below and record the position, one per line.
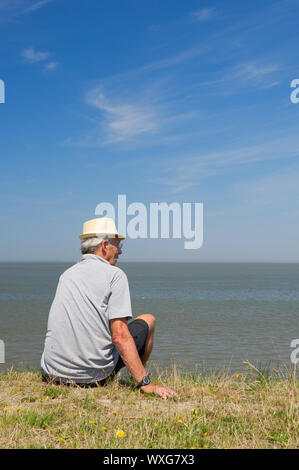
(119, 305)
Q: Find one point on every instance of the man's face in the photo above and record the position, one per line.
(113, 250)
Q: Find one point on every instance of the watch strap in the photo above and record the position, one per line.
(145, 381)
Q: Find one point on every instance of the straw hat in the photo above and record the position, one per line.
(101, 227)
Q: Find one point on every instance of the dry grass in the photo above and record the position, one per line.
(248, 410)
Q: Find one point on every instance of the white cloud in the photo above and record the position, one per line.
(11, 9)
(256, 74)
(187, 171)
(123, 121)
(37, 5)
(50, 66)
(278, 191)
(178, 58)
(33, 56)
(142, 116)
(254, 71)
(204, 14)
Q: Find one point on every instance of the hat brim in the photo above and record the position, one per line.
(93, 234)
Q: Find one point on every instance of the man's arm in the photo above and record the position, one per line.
(122, 339)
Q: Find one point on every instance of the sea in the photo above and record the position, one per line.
(209, 316)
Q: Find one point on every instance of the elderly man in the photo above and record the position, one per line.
(88, 338)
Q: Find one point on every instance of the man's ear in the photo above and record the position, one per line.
(104, 245)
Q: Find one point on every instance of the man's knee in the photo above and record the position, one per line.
(149, 319)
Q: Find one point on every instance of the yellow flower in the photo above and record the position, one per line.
(205, 434)
(195, 412)
(5, 410)
(115, 412)
(91, 422)
(63, 441)
(155, 425)
(120, 433)
(103, 428)
(278, 383)
(237, 375)
(192, 447)
(18, 409)
(22, 378)
(180, 421)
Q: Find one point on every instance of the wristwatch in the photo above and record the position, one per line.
(145, 381)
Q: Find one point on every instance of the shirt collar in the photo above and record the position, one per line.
(92, 256)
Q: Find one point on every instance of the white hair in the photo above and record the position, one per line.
(90, 245)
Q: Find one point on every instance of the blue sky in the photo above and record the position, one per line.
(161, 101)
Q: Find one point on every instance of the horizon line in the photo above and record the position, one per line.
(157, 262)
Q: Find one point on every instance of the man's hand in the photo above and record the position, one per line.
(162, 392)
(125, 344)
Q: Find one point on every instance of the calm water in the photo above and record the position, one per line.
(208, 315)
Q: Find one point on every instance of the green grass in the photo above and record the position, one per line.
(256, 409)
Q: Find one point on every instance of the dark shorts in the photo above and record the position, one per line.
(139, 331)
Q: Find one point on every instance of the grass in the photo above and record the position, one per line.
(254, 409)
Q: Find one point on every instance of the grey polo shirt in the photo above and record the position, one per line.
(78, 346)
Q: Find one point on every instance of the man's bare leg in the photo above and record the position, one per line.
(150, 320)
